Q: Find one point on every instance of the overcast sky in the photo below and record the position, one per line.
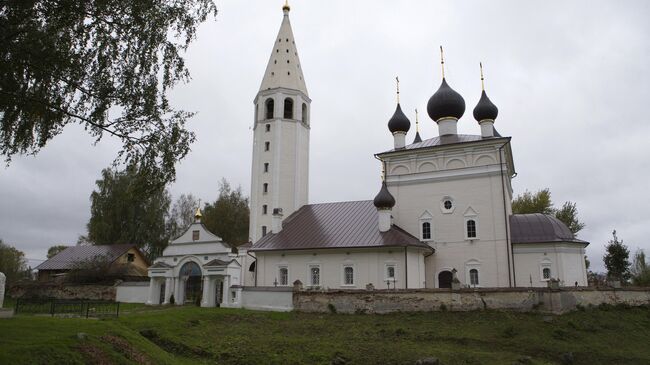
(570, 79)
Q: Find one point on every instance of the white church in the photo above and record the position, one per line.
(442, 214)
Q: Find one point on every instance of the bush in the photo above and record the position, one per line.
(443, 307)
(331, 307)
(509, 332)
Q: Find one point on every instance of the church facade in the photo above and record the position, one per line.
(443, 212)
(442, 216)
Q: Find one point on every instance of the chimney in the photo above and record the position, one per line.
(276, 221)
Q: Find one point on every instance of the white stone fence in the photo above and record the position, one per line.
(512, 299)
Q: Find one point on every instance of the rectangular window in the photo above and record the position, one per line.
(283, 274)
(267, 146)
(546, 273)
(266, 167)
(390, 272)
(314, 275)
(348, 275)
(195, 235)
(265, 188)
(268, 127)
(426, 231)
(263, 231)
(471, 228)
(473, 277)
(130, 257)
(265, 209)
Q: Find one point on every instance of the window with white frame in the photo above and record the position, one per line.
(545, 269)
(426, 231)
(546, 273)
(314, 275)
(473, 277)
(426, 226)
(470, 226)
(348, 275)
(283, 275)
(391, 272)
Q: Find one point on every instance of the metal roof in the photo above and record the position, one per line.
(66, 259)
(335, 225)
(539, 228)
(445, 140)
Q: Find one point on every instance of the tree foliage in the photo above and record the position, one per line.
(640, 269)
(12, 263)
(182, 214)
(106, 65)
(54, 250)
(616, 259)
(228, 216)
(527, 203)
(124, 211)
(540, 202)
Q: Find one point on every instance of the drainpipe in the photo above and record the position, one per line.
(406, 270)
(511, 274)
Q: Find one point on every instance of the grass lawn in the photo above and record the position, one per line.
(190, 335)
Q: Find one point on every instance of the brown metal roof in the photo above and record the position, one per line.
(335, 225)
(66, 259)
(539, 228)
(445, 140)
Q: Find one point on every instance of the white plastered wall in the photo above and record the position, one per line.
(566, 261)
(471, 178)
(370, 267)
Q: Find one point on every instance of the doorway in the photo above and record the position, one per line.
(191, 273)
(444, 279)
(218, 293)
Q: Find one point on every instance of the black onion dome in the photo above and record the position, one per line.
(399, 122)
(446, 102)
(485, 109)
(384, 199)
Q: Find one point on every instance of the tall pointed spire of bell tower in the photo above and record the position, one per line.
(280, 168)
(284, 69)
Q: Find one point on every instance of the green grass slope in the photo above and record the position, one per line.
(189, 335)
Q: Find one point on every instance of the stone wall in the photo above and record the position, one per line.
(63, 291)
(517, 299)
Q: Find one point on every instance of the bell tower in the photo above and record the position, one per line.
(280, 168)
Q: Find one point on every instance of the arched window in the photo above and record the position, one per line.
(288, 108)
(348, 275)
(304, 113)
(252, 267)
(390, 272)
(284, 275)
(546, 273)
(471, 228)
(269, 108)
(265, 209)
(473, 277)
(426, 231)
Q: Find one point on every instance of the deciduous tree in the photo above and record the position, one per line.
(106, 65)
(540, 202)
(640, 269)
(228, 216)
(52, 251)
(124, 211)
(12, 263)
(182, 214)
(616, 259)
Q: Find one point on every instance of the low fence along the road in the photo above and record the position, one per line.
(75, 308)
